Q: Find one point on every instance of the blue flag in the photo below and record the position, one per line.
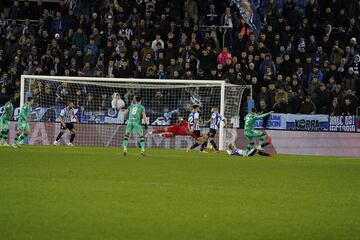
(249, 14)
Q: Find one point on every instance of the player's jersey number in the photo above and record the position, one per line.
(134, 111)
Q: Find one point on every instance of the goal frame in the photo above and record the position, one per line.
(220, 83)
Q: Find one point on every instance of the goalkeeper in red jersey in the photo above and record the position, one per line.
(180, 128)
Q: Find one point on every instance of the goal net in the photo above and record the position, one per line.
(100, 104)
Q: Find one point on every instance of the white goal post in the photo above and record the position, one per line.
(100, 102)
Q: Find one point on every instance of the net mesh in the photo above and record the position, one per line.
(100, 106)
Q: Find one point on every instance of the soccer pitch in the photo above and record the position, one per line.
(96, 193)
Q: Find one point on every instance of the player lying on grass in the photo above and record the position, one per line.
(23, 123)
(181, 128)
(67, 116)
(5, 122)
(232, 150)
(251, 134)
(136, 111)
(215, 120)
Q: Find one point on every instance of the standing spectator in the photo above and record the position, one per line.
(212, 17)
(227, 21)
(322, 100)
(58, 25)
(70, 21)
(80, 38)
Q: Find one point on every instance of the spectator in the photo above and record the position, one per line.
(349, 107)
(307, 107)
(295, 52)
(223, 56)
(334, 109)
(315, 73)
(161, 73)
(79, 38)
(322, 99)
(349, 81)
(58, 24)
(117, 103)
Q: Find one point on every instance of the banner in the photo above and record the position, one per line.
(274, 121)
(307, 122)
(342, 124)
(249, 14)
(284, 142)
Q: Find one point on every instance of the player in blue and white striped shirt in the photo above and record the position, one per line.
(194, 126)
(215, 120)
(67, 117)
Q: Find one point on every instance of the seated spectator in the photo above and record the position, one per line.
(334, 109)
(221, 59)
(349, 108)
(307, 106)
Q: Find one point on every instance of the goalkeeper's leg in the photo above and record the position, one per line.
(157, 131)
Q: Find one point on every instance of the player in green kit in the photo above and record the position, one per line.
(23, 123)
(251, 134)
(5, 122)
(136, 111)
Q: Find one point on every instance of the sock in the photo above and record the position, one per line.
(5, 136)
(249, 147)
(214, 145)
(2, 135)
(126, 142)
(23, 136)
(72, 137)
(262, 139)
(203, 146)
(142, 143)
(16, 138)
(194, 146)
(59, 136)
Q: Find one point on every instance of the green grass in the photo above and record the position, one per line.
(96, 193)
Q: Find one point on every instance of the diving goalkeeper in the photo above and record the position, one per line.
(180, 128)
(251, 134)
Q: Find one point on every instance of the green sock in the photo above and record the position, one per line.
(16, 138)
(23, 136)
(142, 144)
(126, 142)
(5, 137)
(249, 147)
(262, 139)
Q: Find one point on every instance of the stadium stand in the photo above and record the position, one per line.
(305, 59)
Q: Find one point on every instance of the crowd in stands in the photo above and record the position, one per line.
(305, 59)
